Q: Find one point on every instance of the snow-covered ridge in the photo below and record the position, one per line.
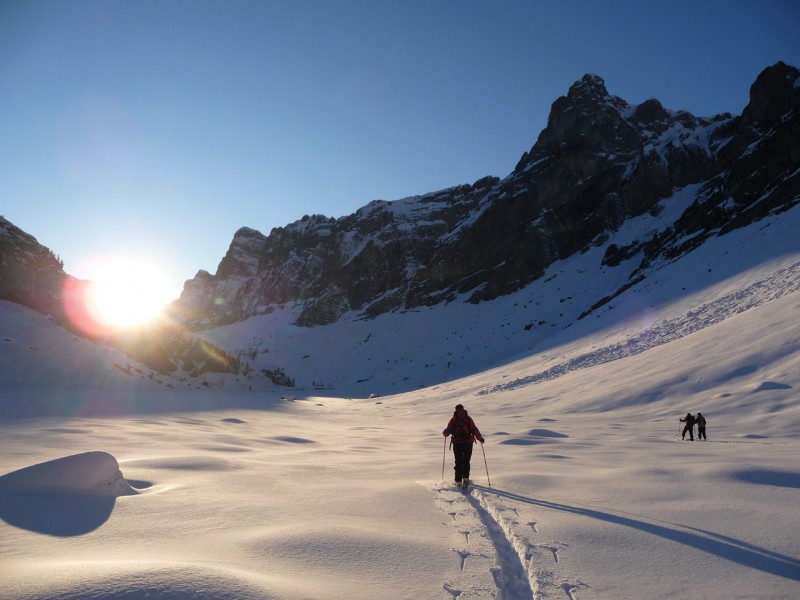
(600, 162)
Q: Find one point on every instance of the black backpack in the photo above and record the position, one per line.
(462, 430)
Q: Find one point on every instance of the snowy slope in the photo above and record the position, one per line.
(726, 275)
(584, 491)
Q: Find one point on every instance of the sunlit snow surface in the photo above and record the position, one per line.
(330, 494)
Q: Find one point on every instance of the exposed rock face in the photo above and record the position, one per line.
(598, 162)
(757, 168)
(370, 260)
(30, 274)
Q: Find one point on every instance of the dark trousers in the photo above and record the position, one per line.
(463, 454)
(690, 429)
(701, 433)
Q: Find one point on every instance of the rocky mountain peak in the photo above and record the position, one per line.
(587, 118)
(650, 112)
(775, 92)
(598, 163)
(243, 234)
(589, 88)
(242, 257)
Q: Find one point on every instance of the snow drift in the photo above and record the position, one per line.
(85, 474)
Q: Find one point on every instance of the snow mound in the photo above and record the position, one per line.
(535, 436)
(116, 580)
(546, 433)
(85, 474)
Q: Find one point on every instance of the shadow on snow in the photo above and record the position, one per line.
(738, 551)
(56, 515)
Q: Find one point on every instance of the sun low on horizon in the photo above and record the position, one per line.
(125, 292)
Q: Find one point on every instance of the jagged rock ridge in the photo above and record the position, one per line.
(599, 161)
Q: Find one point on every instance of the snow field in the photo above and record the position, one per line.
(227, 492)
(340, 498)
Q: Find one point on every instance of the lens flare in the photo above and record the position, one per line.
(121, 293)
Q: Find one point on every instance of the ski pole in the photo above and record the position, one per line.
(444, 451)
(486, 465)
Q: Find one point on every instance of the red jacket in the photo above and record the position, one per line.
(463, 430)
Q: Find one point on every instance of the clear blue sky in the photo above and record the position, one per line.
(158, 128)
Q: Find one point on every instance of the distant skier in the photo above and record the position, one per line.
(701, 427)
(464, 433)
(689, 420)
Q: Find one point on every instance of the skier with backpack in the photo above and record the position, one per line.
(690, 421)
(701, 427)
(464, 432)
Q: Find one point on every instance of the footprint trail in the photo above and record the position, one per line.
(498, 553)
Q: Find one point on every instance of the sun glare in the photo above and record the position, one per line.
(127, 293)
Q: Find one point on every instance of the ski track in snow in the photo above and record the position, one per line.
(776, 285)
(491, 545)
